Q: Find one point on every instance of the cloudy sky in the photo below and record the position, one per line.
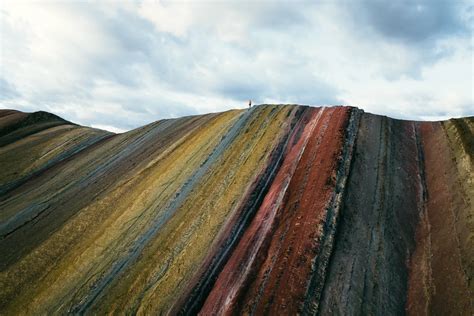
(118, 65)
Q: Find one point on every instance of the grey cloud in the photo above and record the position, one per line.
(142, 47)
(242, 89)
(136, 110)
(139, 48)
(296, 87)
(117, 121)
(307, 89)
(135, 39)
(141, 110)
(281, 16)
(135, 35)
(418, 26)
(7, 90)
(414, 21)
(159, 107)
(173, 61)
(146, 67)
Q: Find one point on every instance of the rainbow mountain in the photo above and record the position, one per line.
(277, 209)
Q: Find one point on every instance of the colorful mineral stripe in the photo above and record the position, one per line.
(276, 209)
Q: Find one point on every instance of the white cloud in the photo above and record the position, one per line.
(124, 64)
(174, 18)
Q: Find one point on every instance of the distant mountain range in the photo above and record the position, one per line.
(277, 209)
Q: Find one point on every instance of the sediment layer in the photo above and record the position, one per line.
(278, 209)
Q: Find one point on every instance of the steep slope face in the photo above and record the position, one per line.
(384, 198)
(443, 271)
(289, 231)
(272, 210)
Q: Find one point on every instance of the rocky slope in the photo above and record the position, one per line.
(279, 209)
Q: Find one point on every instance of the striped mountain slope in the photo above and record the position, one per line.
(278, 209)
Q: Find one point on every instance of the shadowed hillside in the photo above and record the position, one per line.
(280, 209)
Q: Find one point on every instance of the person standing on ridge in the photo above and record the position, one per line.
(250, 104)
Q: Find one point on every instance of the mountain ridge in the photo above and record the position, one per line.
(5, 112)
(245, 211)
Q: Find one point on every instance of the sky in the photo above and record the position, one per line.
(117, 65)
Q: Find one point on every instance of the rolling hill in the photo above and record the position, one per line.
(279, 209)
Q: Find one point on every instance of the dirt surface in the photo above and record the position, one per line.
(442, 264)
(277, 209)
(368, 272)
